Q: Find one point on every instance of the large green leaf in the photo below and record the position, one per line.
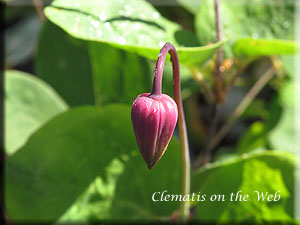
(61, 160)
(87, 69)
(63, 62)
(116, 198)
(263, 172)
(243, 19)
(258, 47)
(95, 203)
(29, 103)
(132, 25)
(133, 198)
(119, 76)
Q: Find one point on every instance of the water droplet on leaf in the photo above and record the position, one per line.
(102, 17)
(95, 23)
(99, 33)
(127, 7)
(75, 29)
(121, 40)
(255, 35)
(286, 24)
(155, 15)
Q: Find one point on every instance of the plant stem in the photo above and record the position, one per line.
(157, 84)
(218, 24)
(38, 4)
(218, 78)
(206, 153)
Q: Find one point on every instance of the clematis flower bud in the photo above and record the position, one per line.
(154, 118)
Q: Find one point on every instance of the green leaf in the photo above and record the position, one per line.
(263, 172)
(133, 195)
(132, 25)
(282, 136)
(29, 103)
(241, 19)
(61, 160)
(119, 76)
(289, 64)
(63, 62)
(116, 198)
(260, 47)
(95, 202)
(254, 139)
(82, 72)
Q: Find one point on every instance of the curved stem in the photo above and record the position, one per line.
(157, 84)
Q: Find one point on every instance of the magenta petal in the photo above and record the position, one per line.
(154, 119)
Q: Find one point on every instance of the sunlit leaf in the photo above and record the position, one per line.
(282, 136)
(261, 47)
(242, 19)
(254, 139)
(263, 172)
(134, 26)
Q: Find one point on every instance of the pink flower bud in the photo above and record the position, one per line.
(154, 118)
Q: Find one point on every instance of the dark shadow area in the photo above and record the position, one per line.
(186, 38)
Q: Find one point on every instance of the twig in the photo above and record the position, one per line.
(219, 32)
(38, 5)
(240, 109)
(206, 153)
(218, 78)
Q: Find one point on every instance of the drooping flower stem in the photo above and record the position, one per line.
(157, 85)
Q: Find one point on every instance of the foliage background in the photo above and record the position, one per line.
(69, 83)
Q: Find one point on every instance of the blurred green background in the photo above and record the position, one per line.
(72, 69)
